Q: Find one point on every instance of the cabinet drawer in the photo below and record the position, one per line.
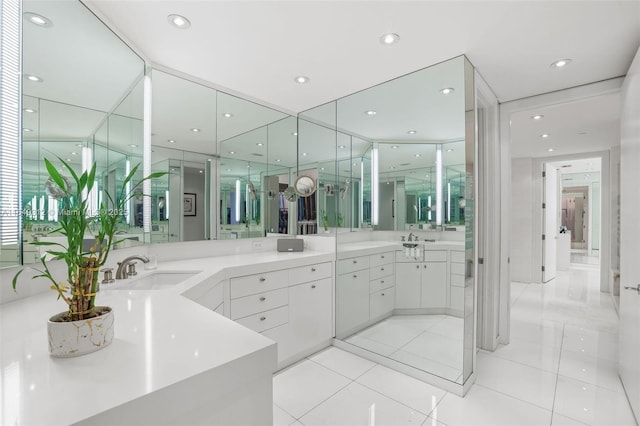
(457, 268)
(381, 258)
(249, 305)
(308, 273)
(401, 258)
(352, 264)
(435, 255)
(457, 256)
(457, 280)
(258, 283)
(381, 283)
(381, 271)
(381, 302)
(266, 320)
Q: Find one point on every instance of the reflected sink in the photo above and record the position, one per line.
(158, 280)
(410, 245)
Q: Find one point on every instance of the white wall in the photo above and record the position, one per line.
(521, 220)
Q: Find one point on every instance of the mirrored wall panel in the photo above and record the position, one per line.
(398, 192)
(82, 103)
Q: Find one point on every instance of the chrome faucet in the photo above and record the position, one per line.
(411, 235)
(121, 273)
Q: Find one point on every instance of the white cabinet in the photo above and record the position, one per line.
(381, 302)
(456, 281)
(408, 285)
(434, 285)
(352, 302)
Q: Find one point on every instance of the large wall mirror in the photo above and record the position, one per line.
(397, 160)
(82, 102)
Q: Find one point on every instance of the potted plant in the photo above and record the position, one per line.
(325, 220)
(84, 327)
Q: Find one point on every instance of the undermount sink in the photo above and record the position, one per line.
(158, 280)
(410, 245)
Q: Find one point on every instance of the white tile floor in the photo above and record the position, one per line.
(559, 369)
(429, 342)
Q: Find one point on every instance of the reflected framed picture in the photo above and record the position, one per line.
(189, 204)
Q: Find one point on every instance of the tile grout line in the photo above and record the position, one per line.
(555, 390)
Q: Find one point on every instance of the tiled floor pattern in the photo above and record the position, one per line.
(429, 342)
(559, 369)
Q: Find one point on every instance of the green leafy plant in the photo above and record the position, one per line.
(76, 221)
(325, 220)
(340, 220)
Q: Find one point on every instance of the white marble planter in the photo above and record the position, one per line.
(75, 338)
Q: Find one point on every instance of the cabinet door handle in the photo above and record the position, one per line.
(417, 266)
(313, 269)
(425, 266)
(263, 318)
(381, 281)
(383, 294)
(382, 269)
(382, 256)
(355, 261)
(313, 286)
(262, 279)
(355, 276)
(262, 299)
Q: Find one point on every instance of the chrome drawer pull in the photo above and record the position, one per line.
(383, 294)
(382, 269)
(262, 279)
(355, 261)
(313, 269)
(355, 276)
(313, 286)
(381, 281)
(263, 318)
(262, 299)
(382, 256)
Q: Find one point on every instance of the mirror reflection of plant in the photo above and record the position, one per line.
(76, 219)
(325, 219)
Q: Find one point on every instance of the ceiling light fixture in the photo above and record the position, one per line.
(171, 141)
(133, 145)
(38, 20)
(537, 117)
(259, 144)
(304, 154)
(79, 145)
(412, 132)
(277, 160)
(227, 115)
(447, 90)
(228, 170)
(294, 134)
(29, 110)
(74, 153)
(179, 21)
(301, 79)
(450, 150)
(394, 146)
(550, 149)
(371, 112)
(390, 38)
(417, 155)
(545, 135)
(27, 130)
(342, 146)
(232, 152)
(33, 78)
(561, 63)
(195, 130)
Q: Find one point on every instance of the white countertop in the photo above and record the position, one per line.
(361, 248)
(160, 339)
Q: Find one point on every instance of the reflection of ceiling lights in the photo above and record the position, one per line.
(394, 146)
(446, 90)
(171, 141)
(232, 152)
(561, 63)
(391, 38)
(277, 160)
(321, 168)
(68, 160)
(27, 130)
(179, 21)
(537, 117)
(545, 135)
(29, 110)
(227, 115)
(450, 150)
(200, 171)
(228, 170)
(342, 146)
(304, 154)
(259, 144)
(371, 112)
(417, 155)
(79, 144)
(550, 150)
(294, 134)
(74, 153)
(133, 145)
(412, 132)
(301, 79)
(38, 20)
(195, 130)
(33, 78)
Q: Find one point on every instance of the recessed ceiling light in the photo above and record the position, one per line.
(79, 144)
(450, 150)
(294, 134)
(171, 141)
(537, 117)
(228, 170)
(301, 79)
(195, 130)
(74, 153)
(277, 160)
(447, 90)
(412, 132)
(38, 20)
(550, 149)
(304, 154)
(371, 112)
(321, 168)
(29, 110)
(201, 171)
(342, 146)
(227, 115)
(133, 145)
(394, 146)
(390, 38)
(27, 130)
(259, 144)
(545, 135)
(561, 63)
(33, 78)
(232, 152)
(417, 155)
(179, 21)
(68, 160)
